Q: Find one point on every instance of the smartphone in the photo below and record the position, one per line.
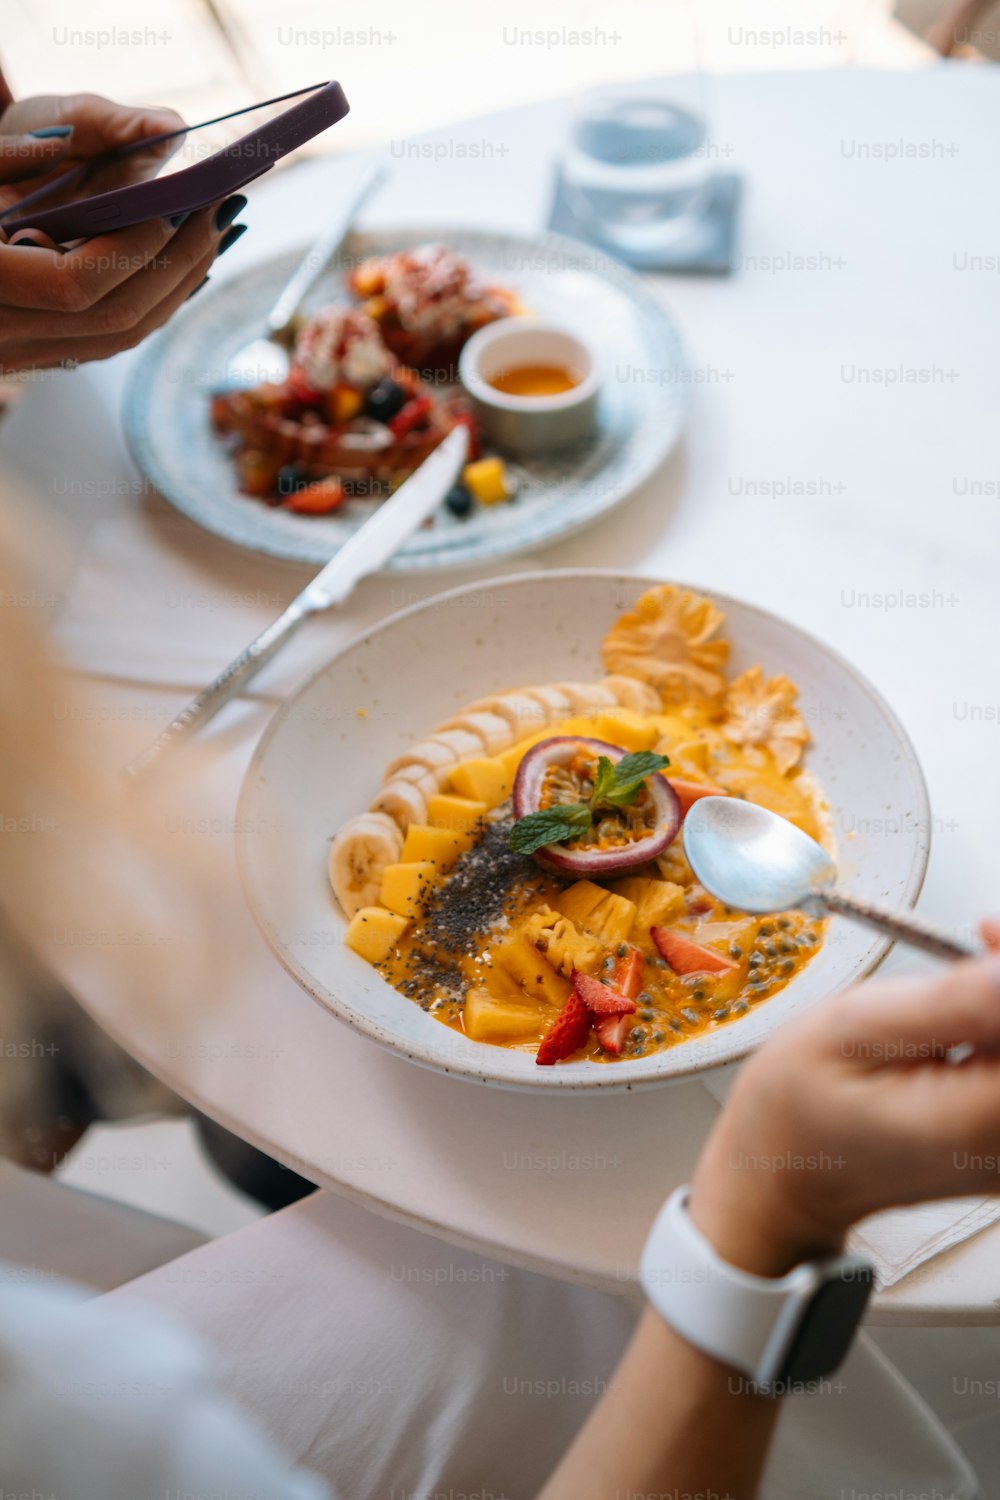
(183, 191)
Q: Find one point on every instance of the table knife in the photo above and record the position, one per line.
(370, 546)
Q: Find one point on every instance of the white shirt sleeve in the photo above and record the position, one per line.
(104, 1401)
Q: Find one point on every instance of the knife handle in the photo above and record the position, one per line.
(228, 683)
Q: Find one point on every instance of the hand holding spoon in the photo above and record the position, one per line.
(756, 861)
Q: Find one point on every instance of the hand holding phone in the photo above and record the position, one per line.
(185, 191)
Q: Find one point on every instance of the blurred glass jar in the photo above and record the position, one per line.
(637, 162)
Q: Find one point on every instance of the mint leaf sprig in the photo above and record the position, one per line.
(617, 784)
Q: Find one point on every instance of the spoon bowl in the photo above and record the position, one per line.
(756, 861)
(751, 858)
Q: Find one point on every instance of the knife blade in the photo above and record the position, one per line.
(369, 547)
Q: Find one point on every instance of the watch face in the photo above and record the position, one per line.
(828, 1325)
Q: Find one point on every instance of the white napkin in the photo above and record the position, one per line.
(901, 1239)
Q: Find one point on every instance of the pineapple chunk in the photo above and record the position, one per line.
(579, 900)
(531, 969)
(374, 932)
(482, 779)
(611, 922)
(657, 902)
(623, 726)
(601, 913)
(564, 945)
(490, 1020)
(404, 886)
(441, 846)
(460, 814)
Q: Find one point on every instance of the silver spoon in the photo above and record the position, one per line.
(265, 359)
(756, 861)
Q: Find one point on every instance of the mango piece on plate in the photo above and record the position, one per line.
(512, 758)
(441, 846)
(404, 886)
(623, 726)
(481, 779)
(460, 814)
(487, 479)
(490, 1020)
(562, 942)
(373, 932)
(579, 900)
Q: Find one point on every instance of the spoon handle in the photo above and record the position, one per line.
(905, 929)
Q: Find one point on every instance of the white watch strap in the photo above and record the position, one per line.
(740, 1319)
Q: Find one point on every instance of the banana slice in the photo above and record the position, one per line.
(557, 704)
(358, 855)
(461, 742)
(587, 697)
(523, 714)
(430, 753)
(492, 731)
(405, 802)
(631, 693)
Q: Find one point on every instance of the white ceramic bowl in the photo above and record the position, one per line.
(321, 759)
(526, 426)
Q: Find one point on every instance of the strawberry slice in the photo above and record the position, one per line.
(601, 998)
(686, 957)
(611, 1032)
(689, 792)
(609, 1007)
(316, 499)
(629, 972)
(567, 1033)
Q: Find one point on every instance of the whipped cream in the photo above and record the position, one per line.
(432, 289)
(342, 347)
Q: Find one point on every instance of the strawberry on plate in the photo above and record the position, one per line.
(609, 1006)
(567, 1033)
(628, 973)
(687, 957)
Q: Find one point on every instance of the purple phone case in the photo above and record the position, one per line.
(194, 187)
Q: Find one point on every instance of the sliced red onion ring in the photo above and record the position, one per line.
(559, 751)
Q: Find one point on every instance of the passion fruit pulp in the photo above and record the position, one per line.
(562, 770)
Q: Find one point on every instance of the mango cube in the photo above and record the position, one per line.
(512, 758)
(622, 726)
(460, 814)
(404, 886)
(482, 779)
(373, 932)
(579, 900)
(487, 479)
(441, 846)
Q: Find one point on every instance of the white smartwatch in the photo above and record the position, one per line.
(781, 1332)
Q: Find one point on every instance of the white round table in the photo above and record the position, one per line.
(840, 466)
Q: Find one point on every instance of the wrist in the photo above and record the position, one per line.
(756, 1231)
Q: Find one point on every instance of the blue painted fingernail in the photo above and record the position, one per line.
(178, 220)
(49, 132)
(231, 236)
(226, 212)
(197, 289)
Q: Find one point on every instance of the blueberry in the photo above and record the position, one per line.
(290, 479)
(459, 500)
(385, 400)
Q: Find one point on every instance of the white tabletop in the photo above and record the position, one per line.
(840, 466)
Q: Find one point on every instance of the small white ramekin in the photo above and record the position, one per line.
(527, 426)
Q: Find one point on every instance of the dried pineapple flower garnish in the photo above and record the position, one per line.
(761, 711)
(666, 640)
